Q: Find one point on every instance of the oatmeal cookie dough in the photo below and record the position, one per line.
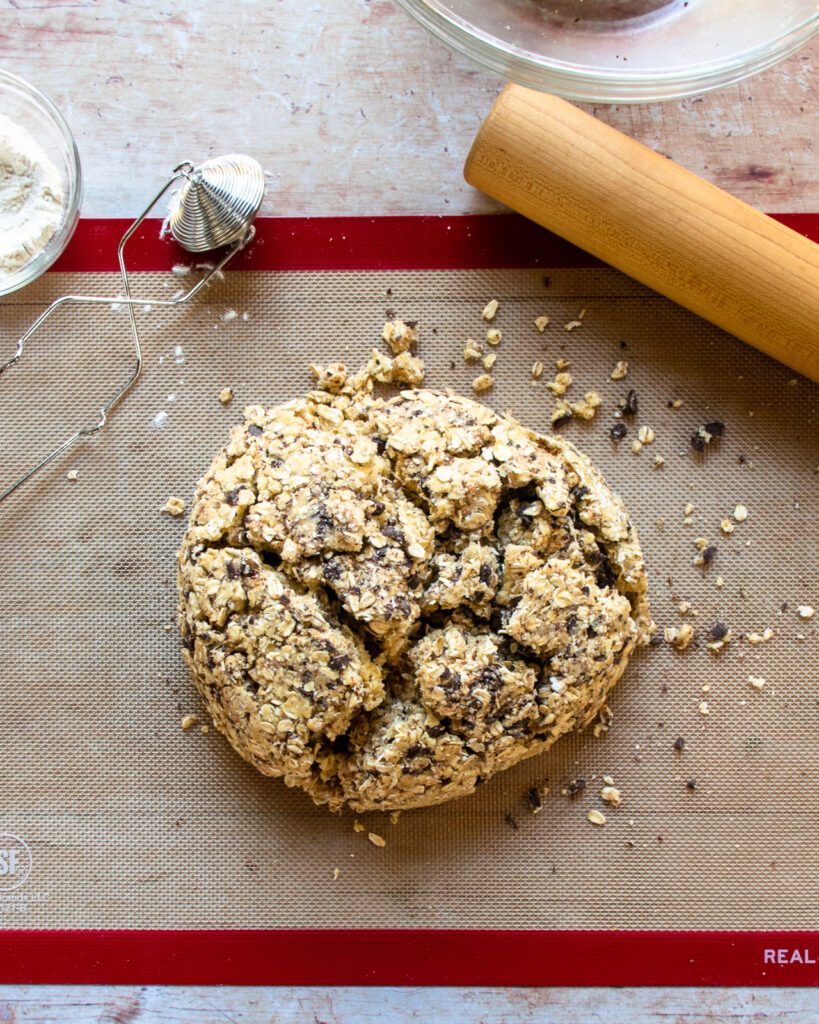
(386, 601)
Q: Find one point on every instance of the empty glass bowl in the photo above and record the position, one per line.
(613, 51)
(35, 113)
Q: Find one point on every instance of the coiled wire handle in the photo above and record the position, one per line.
(194, 178)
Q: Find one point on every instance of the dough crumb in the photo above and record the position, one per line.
(490, 309)
(400, 335)
(188, 722)
(226, 396)
(173, 506)
(612, 795)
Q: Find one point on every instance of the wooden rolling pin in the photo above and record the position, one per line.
(652, 219)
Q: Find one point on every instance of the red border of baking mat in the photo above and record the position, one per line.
(387, 956)
(407, 957)
(359, 243)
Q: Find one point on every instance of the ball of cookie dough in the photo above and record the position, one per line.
(384, 602)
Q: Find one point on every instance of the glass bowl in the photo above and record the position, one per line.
(35, 113)
(614, 51)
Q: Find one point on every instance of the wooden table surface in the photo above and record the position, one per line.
(353, 109)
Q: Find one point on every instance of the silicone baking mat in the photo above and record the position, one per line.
(140, 840)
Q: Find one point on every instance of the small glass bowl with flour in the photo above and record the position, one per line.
(40, 183)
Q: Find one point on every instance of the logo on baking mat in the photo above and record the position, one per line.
(15, 862)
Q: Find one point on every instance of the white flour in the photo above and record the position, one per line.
(31, 197)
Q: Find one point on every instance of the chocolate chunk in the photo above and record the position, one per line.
(718, 631)
(629, 404)
(691, 784)
(576, 787)
(254, 430)
(709, 554)
(618, 431)
(535, 799)
(332, 570)
(339, 662)
(679, 743)
(393, 532)
(485, 573)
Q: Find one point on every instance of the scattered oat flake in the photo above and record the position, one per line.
(719, 582)
(636, 446)
(394, 816)
(537, 370)
(72, 474)
(570, 326)
(726, 526)
(805, 611)
(471, 353)
(490, 309)
(646, 435)
(560, 413)
(612, 795)
(562, 364)
(676, 403)
(756, 682)
(228, 315)
(679, 636)
(561, 383)
(173, 506)
(659, 462)
(489, 361)
(596, 817)
(376, 839)
(226, 396)
(689, 509)
(587, 409)
(541, 323)
(703, 708)
(482, 382)
(336, 874)
(740, 513)
(204, 729)
(620, 371)
(188, 722)
(357, 826)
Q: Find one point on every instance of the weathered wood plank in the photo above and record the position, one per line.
(351, 106)
(132, 1005)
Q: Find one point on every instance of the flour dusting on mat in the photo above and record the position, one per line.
(31, 197)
